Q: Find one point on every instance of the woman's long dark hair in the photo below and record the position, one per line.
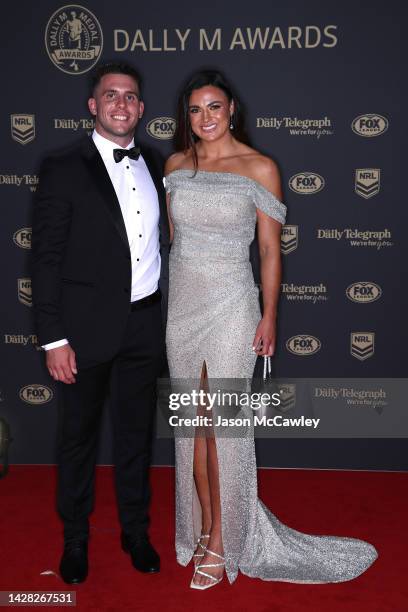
(185, 138)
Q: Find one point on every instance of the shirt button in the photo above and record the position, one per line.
(138, 212)
(134, 188)
(137, 259)
(127, 167)
(140, 235)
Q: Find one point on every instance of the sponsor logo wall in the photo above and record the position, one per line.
(335, 139)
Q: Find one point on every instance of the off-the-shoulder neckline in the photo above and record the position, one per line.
(242, 176)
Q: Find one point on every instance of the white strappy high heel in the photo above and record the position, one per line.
(202, 587)
(202, 546)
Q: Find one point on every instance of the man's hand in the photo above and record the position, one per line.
(61, 364)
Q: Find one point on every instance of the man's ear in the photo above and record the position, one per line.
(92, 106)
(141, 109)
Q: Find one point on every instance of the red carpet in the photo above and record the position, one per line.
(369, 505)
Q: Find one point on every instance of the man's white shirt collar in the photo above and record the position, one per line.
(106, 147)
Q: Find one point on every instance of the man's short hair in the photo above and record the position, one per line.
(114, 68)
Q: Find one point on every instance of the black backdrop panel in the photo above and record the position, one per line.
(324, 93)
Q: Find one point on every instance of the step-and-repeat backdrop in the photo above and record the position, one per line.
(323, 88)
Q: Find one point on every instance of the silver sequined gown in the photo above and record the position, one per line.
(213, 314)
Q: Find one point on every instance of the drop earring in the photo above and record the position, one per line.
(231, 126)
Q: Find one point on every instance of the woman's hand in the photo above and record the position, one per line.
(265, 337)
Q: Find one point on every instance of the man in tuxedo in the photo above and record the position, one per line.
(100, 274)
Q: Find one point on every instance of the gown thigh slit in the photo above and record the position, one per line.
(213, 315)
(205, 432)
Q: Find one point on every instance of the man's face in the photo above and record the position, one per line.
(116, 107)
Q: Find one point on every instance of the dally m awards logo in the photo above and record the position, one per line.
(306, 183)
(303, 345)
(23, 128)
(22, 238)
(369, 125)
(162, 128)
(73, 39)
(24, 291)
(289, 239)
(362, 345)
(36, 394)
(363, 292)
(367, 182)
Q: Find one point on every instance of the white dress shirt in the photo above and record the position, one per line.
(139, 204)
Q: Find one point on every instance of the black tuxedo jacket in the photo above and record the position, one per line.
(81, 264)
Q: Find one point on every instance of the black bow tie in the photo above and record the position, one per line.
(119, 154)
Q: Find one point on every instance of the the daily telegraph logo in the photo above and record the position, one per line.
(367, 182)
(73, 39)
(36, 394)
(296, 126)
(22, 340)
(162, 128)
(74, 125)
(24, 291)
(23, 128)
(305, 293)
(303, 345)
(18, 180)
(306, 183)
(358, 238)
(362, 345)
(22, 238)
(289, 238)
(369, 125)
(363, 292)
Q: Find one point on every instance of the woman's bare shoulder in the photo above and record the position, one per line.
(265, 171)
(176, 161)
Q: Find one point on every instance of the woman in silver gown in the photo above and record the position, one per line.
(218, 189)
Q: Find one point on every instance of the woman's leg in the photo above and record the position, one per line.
(208, 489)
(202, 482)
(200, 466)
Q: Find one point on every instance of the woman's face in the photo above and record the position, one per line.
(210, 113)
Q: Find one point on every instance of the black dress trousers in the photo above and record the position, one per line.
(130, 380)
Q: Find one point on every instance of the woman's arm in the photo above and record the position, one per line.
(171, 164)
(269, 238)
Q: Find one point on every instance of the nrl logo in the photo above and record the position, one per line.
(367, 182)
(23, 128)
(289, 239)
(287, 395)
(362, 345)
(24, 291)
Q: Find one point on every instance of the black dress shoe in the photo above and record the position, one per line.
(144, 557)
(74, 562)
